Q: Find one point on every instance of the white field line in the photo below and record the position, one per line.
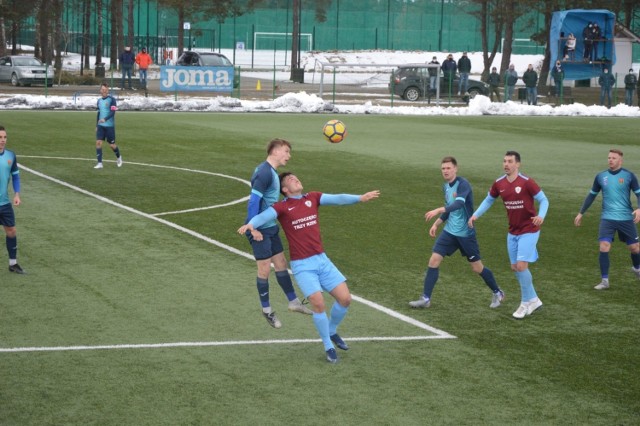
(438, 334)
(207, 344)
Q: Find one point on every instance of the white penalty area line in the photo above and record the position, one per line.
(437, 333)
(209, 344)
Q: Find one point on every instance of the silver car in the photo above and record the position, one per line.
(25, 70)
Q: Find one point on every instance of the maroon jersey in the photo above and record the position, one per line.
(299, 220)
(517, 197)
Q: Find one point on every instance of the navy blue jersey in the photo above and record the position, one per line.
(616, 187)
(265, 191)
(456, 220)
(8, 169)
(106, 110)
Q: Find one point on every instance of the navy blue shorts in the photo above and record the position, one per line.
(7, 217)
(447, 244)
(270, 245)
(626, 230)
(106, 133)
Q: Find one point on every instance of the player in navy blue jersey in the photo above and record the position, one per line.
(105, 125)
(456, 235)
(618, 215)
(265, 191)
(9, 172)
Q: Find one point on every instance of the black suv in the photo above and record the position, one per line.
(208, 59)
(411, 82)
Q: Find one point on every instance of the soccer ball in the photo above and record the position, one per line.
(334, 131)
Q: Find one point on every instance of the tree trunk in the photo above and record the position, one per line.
(295, 63)
(100, 32)
(57, 35)
(130, 26)
(509, 18)
(116, 8)
(120, 20)
(87, 33)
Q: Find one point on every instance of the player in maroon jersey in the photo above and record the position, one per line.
(313, 270)
(518, 193)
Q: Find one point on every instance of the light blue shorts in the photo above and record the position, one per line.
(522, 248)
(316, 273)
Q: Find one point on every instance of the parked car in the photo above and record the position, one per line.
(411, 82)
(25, 70)
(207, 59)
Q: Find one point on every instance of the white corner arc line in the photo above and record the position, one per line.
(439, 333)
(183, 169)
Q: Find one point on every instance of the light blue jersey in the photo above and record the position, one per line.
(265, 191)
(8, 170)
(616, 187)
(106, 110)
(456, 220)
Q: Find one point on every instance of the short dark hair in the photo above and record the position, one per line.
(2, 128)
(513, 154)
(275, 143)
(617, 151)
(449, 159)
(282, 177)
(105, 85)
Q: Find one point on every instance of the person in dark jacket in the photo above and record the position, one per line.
(464, 68)
(433, 73)
(588, 42)
(530, 79)
(630, 83)
(510, 80)
(127, 59)
(494, 83)
(449, 68)
(606, 82)
(558, 77)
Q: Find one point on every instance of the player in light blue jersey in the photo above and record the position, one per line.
(456, 235)
(9, 172)
(618, 215)
(265, 240)
(106, 126)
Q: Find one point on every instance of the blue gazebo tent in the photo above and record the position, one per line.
(574, 22)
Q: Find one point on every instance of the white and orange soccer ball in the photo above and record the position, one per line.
(334, 131)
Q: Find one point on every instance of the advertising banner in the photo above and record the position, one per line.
(196, 79)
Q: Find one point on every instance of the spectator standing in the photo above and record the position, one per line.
(127, 59)
(530, 79)
(606, 82)
(638, 89)
(596, 35)
(510, 80)
(558, 77)
(630, 83)
(144, 60)
(449, 68)
(433, 73)
(494, 84)
(571, 48)
(588, 42)
(464, 68)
